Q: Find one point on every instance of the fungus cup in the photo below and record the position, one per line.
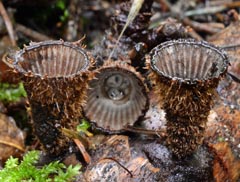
(185, 74)
(55, 75)
(116, 97)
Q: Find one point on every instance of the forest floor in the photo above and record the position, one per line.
(127, 156)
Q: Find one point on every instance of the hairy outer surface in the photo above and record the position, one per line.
(185, 74)
(55, 75)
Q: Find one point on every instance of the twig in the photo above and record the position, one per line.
(235, 4)
(8, 24)
(193, 33)
(177, 8)
(216, 3)
(110, 158)
(166, 3)
(159, 133)
(84, 153)
(207, 10)
(12, 145)
(231, 46)
(234, 78)
(202, 27)
(212, 9)
(31, 33)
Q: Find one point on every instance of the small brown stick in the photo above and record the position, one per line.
(234, 78)
(230, 46)
(81, 143)
(31, 33)
(159, 133)
(193, 34)
(216, 3)
(110, 158)
(235, 4)
(203, 27)
(166, 4)
(8, 24)
(206, 10)
(212, 9)
(84, 153)
(12, 145)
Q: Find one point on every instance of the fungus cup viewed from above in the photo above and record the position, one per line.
(54, 74)
(116, 97)
(185, 74)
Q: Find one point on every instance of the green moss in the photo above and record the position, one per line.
(15, 171)
(11, 93)
(84, 126)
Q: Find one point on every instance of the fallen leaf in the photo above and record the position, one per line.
(141, 170)
(223, 125)
(11, 138)
(113, 161)
(227, 37)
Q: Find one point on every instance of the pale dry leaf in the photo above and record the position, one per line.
(11, 138)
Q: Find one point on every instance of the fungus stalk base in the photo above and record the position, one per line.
(61, 108)
(47, 128)
(187, 108)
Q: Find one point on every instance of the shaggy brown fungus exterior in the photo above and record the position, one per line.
(55, 75)
(185, 74)
(116, 97)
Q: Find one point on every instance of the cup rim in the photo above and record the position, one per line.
(193, 42)
(37, 45)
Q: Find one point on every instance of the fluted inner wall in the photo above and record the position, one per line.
(116, 98)
(55, 76)
(185, 74)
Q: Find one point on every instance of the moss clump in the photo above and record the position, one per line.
(11, 93)
(26, 170)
